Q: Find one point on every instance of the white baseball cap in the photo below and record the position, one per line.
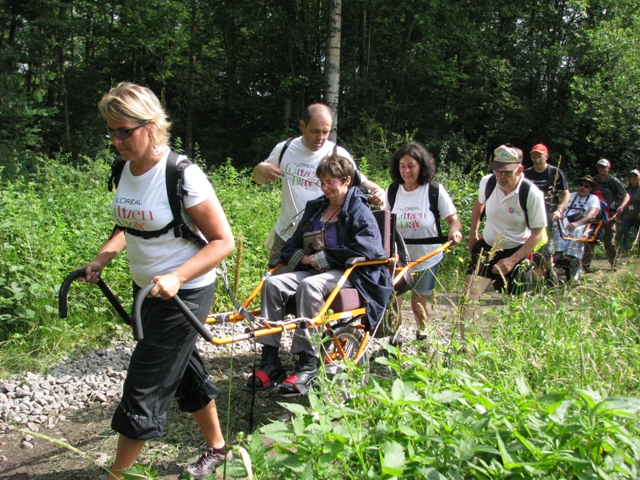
(505, 159)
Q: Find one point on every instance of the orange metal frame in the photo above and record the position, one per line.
(324, 316)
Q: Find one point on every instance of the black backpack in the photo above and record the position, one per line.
(434, 194)
(175, 191)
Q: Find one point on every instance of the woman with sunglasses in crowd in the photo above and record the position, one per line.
(338, 225)
(166, 363)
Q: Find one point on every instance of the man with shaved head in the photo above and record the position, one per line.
(295, 162)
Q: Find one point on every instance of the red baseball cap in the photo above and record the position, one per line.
(540, 148)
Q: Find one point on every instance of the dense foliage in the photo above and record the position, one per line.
(462, 77)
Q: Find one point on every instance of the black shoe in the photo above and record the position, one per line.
(586, 269)
(270, 373)
(421, 335)
(211, 459)
(305, 373)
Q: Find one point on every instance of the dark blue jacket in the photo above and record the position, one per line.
(358, 236)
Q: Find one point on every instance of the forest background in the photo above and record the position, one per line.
(460, 76)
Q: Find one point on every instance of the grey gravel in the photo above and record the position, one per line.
(40, 402)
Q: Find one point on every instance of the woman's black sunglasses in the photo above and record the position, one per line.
(124, 134)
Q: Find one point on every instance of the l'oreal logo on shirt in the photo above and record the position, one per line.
(128, 201)
(408, 209)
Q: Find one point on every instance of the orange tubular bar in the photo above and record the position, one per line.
(320, 319)
(401, 271)
(591, 237)
(235, 316)
(363, 346)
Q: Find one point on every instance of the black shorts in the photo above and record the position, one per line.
(164, 365)
(480, 255)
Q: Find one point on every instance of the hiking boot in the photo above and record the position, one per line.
(270, 373)
(305, 372)
(211, 459)
(420, 335)
(551, 278)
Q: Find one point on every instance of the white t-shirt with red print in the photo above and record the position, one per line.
(141, 203)
(414, 219)
(299, 185)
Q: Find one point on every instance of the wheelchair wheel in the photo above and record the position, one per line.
(336, 364)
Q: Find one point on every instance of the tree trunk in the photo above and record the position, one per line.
(188, 122)
(232, 69)
(332, 63)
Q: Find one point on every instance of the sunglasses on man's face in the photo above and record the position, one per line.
(585, 185)
(124, 134)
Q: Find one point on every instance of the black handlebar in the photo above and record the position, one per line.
(63, 307)
(138, 334)
(193, 320)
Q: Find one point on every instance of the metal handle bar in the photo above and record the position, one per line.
(63, 306)
(193, 320)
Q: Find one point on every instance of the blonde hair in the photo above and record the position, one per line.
(133, 103)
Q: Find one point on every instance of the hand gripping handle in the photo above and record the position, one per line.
(193, 320)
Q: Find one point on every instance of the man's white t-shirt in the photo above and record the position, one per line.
(505, 216)
(414, 219)
(580, 205)
(299, 184)
(141, 203)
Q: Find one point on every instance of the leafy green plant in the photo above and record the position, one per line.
(444, 423)
(549, 390)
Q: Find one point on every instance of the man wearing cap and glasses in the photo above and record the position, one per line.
(612, 191)
(506, 227)
(553, 184)
(582, 208)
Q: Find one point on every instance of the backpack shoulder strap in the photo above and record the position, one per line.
(489, 187)
(284, 149)
(392, 193)
(174, 179)
(434, 195)
(523, 195)
(116, 173)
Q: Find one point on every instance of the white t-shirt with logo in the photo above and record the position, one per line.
(141, 203)
(414, 219)
(299, 185)
(505, 217)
